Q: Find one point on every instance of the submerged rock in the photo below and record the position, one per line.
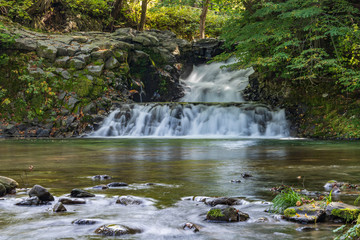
(229, 214)
(346, 212)
(101, 177)
(307, 213)
(116, 230)
(246, 175)
(235, 181)
(191, 226)
(101, 187)
(59, 207)
(221, 201)
(69, 201)
(84, 222)
(80, 193)
(9, 184)
(117, 184)
(32, 201)
(129, 200)
(42, 193)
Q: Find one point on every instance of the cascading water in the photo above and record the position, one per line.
(212, 107)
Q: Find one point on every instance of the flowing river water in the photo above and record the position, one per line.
(188, 149)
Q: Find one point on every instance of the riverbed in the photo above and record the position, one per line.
(177, 167)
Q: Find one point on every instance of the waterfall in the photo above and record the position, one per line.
(212, 107)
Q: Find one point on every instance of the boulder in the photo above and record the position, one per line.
(95, 70)
(129, 200)
(117, 184)
(112, 63)
(346, 212)
(62, 62)
(45, 49)
(9, 184)
(41, 193)
(59, 207)
(84, 222)
(77, 63)
(32, 201)
(69, 201)
(222, 200)
(116, 230)
(80, 193)
(307, 213)
(100, 187)
(229, 214)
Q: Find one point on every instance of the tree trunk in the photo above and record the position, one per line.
(203, 18)
(117, 9)
(40, 7)
(143, 15)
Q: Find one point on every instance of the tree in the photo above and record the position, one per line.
(144, 4)
(203, 18)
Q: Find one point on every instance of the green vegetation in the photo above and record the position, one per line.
(285, 199)
(348, 214)
(215, 213)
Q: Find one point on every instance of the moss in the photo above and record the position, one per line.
(290, 212)
(83, 86)
(347, 214)
(215, 213)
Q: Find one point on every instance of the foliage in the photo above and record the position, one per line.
(287, 198)
(305, 41)
(347, 233)
(215, 213)
(6, 40)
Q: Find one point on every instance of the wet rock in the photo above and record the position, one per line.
(307, 213)
(236, 181)
(191, 226)
(229, 214)
(69, 201)
(84, 222)
(246, 175)
(32, 201)
(41, 193)
(261, 220)
(129, 200)
(101, 177)
(2, 190)
(80, 193)
(9, 184)
(100, 187)
(345, 212)
(223, 201)
(306, 229)
(59, 207)
(116, 230)
(117, 184)
(333, 183)
(150, 184)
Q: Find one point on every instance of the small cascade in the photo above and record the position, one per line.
(212, 107)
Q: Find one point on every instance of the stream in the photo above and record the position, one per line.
(169, 153)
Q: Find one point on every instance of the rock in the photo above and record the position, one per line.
(95, 70)
(59, 207)
(9, 184)
(246, 175)
(307, 213)
(77, 63)
(83, 57)
(306, 229)
(101, 187)
(80, 39)
(84, 222)
(331, 184)
(228, 214)
(116, 230)
(90, 109)
(261, 220)
(121, 56)
(101, 54)
(101, 177)
(112, 63)
(129, 200)
(2, 190)
(62, 62)
(69, 201)
(191, 226)
(41, 193)
(223, 201)
(25, 44)
(33, 201)
(80, 193)
(235, 181)
(72, 102)
(46, 50)
(117, 184)
(346, 212)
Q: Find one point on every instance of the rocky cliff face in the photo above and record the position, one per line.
(108, 69)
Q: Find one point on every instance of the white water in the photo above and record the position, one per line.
(206, 84)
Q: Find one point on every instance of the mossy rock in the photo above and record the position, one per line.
(116, 230)
(2, 190)
(8, 183)
(229, 214)
(344, 211)
(307, 213)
